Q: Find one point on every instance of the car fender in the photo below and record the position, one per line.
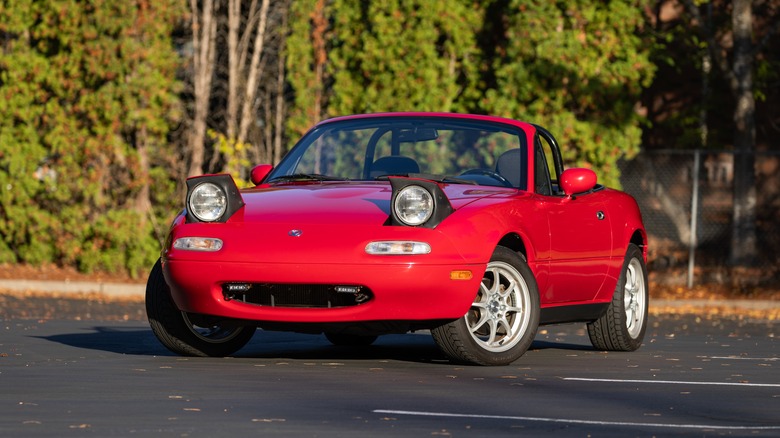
(481, 225)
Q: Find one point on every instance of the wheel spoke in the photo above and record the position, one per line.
(507, 326)
(514, 309)
(506, 293)
(484, 289)
(493, 332)
(634, 298)
(484, 317)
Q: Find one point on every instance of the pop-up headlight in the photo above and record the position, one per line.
(212, 198)
(418, 203)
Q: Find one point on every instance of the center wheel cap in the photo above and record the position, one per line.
(495, 307)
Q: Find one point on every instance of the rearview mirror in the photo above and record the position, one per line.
(417, 134)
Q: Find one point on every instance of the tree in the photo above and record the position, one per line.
(735, 58)
(352, 57)
(576, 67)
(228, 102)
(306, 62)
(203, 26)
(89, 97)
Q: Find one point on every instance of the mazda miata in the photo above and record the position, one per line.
(467, 226)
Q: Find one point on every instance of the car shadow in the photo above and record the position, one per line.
(119, 340)
(417, 348)
(547, 345)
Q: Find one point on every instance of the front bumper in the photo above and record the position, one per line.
(400, 291)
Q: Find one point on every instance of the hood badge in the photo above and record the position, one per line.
(295, 233)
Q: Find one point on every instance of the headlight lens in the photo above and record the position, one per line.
(208, 202)
(413, 205)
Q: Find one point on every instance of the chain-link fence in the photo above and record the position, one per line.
(686, 199)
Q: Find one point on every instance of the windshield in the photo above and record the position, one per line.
(447, 149)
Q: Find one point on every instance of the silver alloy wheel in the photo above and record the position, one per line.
(499, 316)
(634, 298)
(213, 334)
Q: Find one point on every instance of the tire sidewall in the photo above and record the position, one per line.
(173, 331)
(632, 253)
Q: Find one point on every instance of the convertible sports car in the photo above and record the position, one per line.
(464, 225)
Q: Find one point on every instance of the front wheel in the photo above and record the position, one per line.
(502, 321)
(189, 334)
(623, 325)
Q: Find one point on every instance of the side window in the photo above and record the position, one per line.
(542, 183)
(545, 173)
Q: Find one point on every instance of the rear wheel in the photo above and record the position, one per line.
(189, 334)
(503, 319)
(623, 326)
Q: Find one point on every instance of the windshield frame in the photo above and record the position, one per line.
(384, 123)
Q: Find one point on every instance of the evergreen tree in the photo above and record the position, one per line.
(89, 95)
(348, 57)
(577, 68)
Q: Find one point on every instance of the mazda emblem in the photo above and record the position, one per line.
(295, 233)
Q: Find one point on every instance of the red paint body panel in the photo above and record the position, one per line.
(403, 291)
(574, 245)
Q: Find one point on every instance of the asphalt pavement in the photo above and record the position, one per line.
(89, 378)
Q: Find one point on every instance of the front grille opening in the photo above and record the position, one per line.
(297, 295)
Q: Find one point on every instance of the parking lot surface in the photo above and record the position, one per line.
(702, 377)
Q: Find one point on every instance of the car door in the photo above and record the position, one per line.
(580, 235)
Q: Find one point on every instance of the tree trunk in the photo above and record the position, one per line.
(253, 75)
(743, 239)
(234, 23)
(279, 122)
(204, 34)
(276, 155)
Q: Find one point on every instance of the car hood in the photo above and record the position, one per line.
(340, 202)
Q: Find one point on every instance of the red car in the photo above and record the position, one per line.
(464, 225)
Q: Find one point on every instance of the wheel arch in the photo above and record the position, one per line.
(513, 241)
(639, 238)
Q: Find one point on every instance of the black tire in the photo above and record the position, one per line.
(346, 340)
(186, 333)
(623, 325)
(502, 322)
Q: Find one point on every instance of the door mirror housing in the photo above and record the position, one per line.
(259, 173)
(579, 180)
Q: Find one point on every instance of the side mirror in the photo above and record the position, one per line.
(575, 181)
(259, 173)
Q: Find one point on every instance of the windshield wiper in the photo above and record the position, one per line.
(306, 177)
(431, 177)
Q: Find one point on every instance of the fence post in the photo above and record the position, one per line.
(693, 241)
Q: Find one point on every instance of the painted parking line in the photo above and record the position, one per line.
(760, 359)
(676, 382)
(572, 421)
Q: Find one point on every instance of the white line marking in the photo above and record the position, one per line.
(764, 359)
(676, 382)
(570, 421)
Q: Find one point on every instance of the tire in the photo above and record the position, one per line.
(343, 340)
(502, 321)
(189, 334)
(623, 325)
